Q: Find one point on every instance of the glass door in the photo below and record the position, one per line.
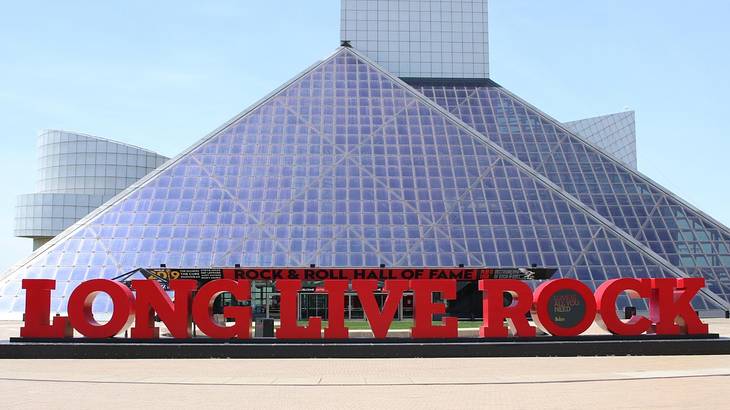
(312, 304)
(264, 300)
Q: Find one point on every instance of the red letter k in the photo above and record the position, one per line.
(670, 306)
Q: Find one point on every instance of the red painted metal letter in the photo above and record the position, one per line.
(336, 309)
(548, 296)
(606, 296)
(80, 308)
(380, 320)
(424, 308)
(38, 311)
(289, 329)
(495, 312)
(670, 306)
(203, 309)
(152, 299)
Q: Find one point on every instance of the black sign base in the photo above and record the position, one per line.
(358, 348)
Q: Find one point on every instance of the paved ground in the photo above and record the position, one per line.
(634, 382)
(565, 383)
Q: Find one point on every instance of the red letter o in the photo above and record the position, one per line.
(541, 307)
(82, 318)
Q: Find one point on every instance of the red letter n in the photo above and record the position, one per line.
(152, 299)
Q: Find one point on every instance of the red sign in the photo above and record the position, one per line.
(319, 274)
(669, 301)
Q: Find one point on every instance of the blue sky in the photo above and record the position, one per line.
(163, 74)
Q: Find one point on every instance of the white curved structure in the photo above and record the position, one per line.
(76, 174)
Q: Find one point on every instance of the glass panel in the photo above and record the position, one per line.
(593, 177)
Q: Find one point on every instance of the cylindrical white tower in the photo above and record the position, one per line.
(76, 174)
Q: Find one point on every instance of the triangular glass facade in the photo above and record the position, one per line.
(682, 235)
(344, 166)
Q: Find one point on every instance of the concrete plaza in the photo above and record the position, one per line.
(609, 382)
(565, 383)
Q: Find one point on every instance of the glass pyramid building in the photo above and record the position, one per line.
(347, 165)
(684, 236)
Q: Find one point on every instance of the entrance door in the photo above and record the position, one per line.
(407, 311)
(265, 300)
(312, 304)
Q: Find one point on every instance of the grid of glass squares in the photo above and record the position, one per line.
(420, 38)
(691, 242)
(344, 167)
(614, 133)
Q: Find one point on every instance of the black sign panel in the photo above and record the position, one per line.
(318, 274)
(567, 308)
(196, 274)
